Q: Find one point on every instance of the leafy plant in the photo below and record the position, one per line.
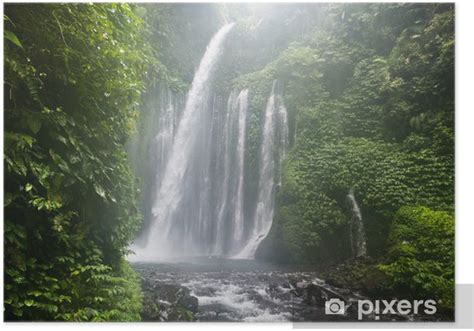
(72, 92)
(420, 260)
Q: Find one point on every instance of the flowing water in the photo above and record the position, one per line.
(197, 206)
(222, 289)
(275, 126)
(357, 232)
(246, 290)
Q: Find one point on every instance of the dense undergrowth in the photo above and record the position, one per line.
(72, 87)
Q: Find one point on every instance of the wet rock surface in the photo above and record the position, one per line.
(228, 292)
(360, 275)
(241, 291)
(166, 302)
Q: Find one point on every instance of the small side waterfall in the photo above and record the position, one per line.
(272, 151)
(357, 232)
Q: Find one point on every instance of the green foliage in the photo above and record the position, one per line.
(375, 119)
(420, 259)
(72, 93)
(371, 108)
(13, 38)
(313, 209)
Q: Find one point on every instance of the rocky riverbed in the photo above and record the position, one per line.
(237, 290)
(217, 289)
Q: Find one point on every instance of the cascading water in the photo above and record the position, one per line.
(273, 148)
(167, 124)
(149, 149)
(357, 232)
(198, 204)
(239, 194)
(229, 209)
(170, 232)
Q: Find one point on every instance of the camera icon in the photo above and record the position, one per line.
(334, 306)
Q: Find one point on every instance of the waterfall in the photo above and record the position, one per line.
(197, 207)
(225, 163)
(230, 209)
(239, 195)
(178, 214)
(168, 118)
(357, 232)
(273, 147)
(149, 148)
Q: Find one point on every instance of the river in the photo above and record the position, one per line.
(240, 290)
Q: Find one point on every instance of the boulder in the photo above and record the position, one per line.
(167, 302)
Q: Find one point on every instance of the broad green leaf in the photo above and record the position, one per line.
(13, 38)
(29, 303)
(34, 124)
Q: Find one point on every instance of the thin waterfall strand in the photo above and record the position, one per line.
(275, 125)
(357, 232)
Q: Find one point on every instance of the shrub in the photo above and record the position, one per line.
(421, 255)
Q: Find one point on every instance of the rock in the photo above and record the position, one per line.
(273, 289)
(286, 285)
(189, 302)
(214, 312)
(313, 295)
(300, 284)
(292, 280)
(167, 302)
